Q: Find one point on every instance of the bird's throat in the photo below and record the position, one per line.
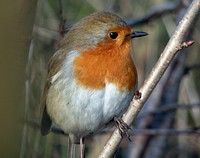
(106, 64)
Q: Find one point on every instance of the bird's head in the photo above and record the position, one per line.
(99, 28)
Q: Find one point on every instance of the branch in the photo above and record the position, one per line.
(168, 108)
(155, 13)
(166, 131)
(192, 67)
(155, 75)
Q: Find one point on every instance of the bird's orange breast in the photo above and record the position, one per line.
(107, 62)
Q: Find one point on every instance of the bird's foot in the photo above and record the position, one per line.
(123, 127)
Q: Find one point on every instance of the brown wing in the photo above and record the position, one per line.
(55, 64)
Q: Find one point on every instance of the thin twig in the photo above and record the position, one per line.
(165, 131)
(192, 67)
(185, 45)
(155, 13)
(170, 107)
(62, 20)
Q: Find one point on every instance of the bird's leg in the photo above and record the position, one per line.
(76, 147)
(123, 127)
(82, 147)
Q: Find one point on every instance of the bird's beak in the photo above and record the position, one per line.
(135, 34)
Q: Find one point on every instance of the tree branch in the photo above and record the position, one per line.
(155, 13)
(165, 131)
(155, 75)
(168, 108)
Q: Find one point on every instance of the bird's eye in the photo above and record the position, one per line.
(113, 35)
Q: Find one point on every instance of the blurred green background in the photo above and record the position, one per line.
(15, 34)
(29, 36)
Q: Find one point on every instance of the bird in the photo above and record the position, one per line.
(91, 77)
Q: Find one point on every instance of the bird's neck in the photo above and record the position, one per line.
(106, 64)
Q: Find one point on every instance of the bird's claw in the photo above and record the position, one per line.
(123, 127)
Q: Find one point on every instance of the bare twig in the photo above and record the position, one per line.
(155, 13)
(185, 45)
(192, 67)
(165, 131)
(170, 107)
(155, 75)
(62, 20)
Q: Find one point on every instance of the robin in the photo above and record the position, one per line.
(91, 77)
